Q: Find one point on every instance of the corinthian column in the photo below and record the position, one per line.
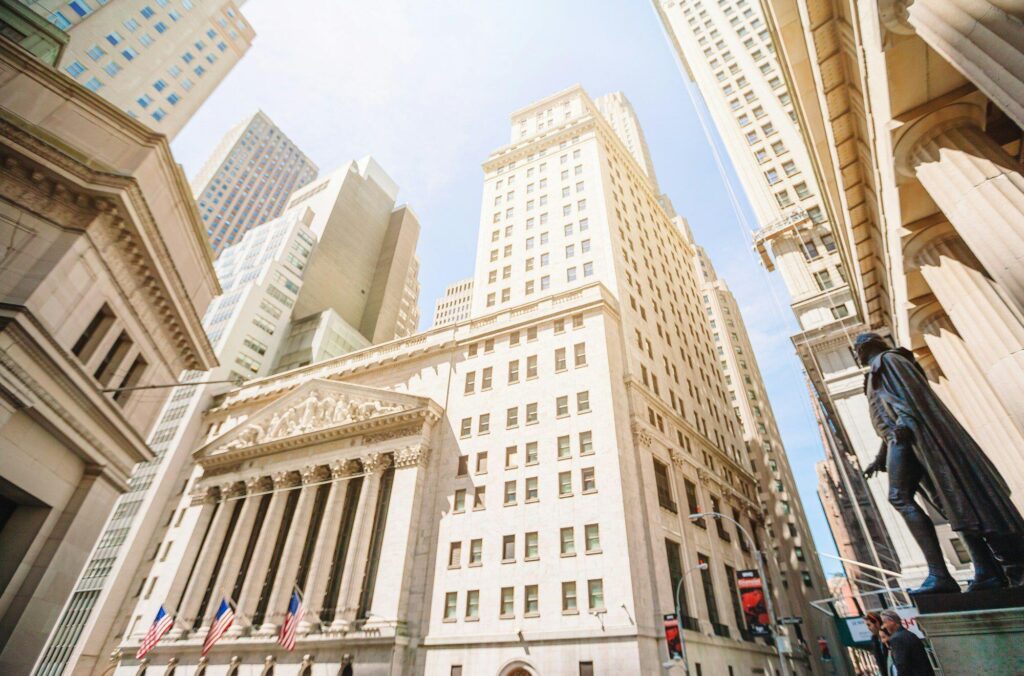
(326, 541)
(207, 559)
(285, 581)
(991, 327)
(982, 39)
(355, 565)
(984, 415)
(978, 187)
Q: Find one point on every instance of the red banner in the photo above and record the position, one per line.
(672, 638)
(755, 609)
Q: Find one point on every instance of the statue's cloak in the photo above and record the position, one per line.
(962, 482)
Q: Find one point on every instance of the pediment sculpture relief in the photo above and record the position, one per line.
(315, 412)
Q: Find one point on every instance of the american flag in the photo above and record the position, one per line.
(162, 624)
(225, 616)
(291, 622)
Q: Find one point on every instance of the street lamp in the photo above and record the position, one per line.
(679, 618)
(764, 579)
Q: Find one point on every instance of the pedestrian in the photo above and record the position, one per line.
(906, 650)
(878, 649)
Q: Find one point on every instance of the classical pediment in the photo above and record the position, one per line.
(315, 411)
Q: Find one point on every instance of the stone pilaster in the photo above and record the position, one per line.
(976, 184)
(991, 327)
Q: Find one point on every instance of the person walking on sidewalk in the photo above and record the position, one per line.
(906, 649)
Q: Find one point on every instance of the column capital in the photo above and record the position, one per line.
(412, 456)
(284, 479)
(375, 463)
(256, 484)
(201, 495)
(928, 316)
(895, 16)
(232, 489)
(924, 129)
(924, 246)
(314, 473)
(343, 468)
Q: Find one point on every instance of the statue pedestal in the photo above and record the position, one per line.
(979, 633)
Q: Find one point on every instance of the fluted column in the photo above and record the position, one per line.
(939, 382)
(250, 594)
(984, 415)
(355, 565)
(976, 184)
(327, 538)
(992, 328)
(207, 558)
(977, 37)
(285, 581)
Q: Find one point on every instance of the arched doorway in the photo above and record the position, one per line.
(517, 668)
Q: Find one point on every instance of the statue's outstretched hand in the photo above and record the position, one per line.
(871, 470)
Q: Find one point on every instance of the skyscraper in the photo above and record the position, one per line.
(619, 113)
(455, 304)
(726, 49)
(800, 578)
(256, 329)
(248, 179)
(509, 492)
(158, 60)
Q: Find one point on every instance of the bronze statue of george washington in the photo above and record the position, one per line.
(925, 450)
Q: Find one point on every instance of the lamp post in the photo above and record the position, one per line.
(764, 579)
(679, 617)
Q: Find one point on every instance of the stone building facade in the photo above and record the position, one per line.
(105, 277)
(912, 113)
(505, 495)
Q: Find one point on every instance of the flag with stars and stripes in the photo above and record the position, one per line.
(291, 622)
(225, 616)
(162, 624)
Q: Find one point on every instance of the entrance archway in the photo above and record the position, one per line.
(518, 668)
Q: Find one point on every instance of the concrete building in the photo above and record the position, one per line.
(156, 60)
(248, 179)
(797, 571)
(456, 303)
(105, 277)
(255, 332)
(502, 495)
(917, 141)
(727, 50)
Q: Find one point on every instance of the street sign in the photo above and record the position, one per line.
(791, 620)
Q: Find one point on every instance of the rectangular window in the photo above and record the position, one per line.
(470, 386)
(530, 547)
(476, 552)
(531, 367)
(564, 484)
(463, 468)
(661, 480)
(564, 450)
(595, 594)
(451, 601)
(589, 480)
(467, 427)
(459, 501)
(510, 493)
(484, 424)
(531, 600)
(531, 453)
(582, 402)
(511, 457)
(532, 493)
(473, 604)
(479, 498)
(508, 548)
(455, 555)
(569, 597)
(560, 359)
(512, 417)
(567, 541)
(709, 592)
(507, 608)
(481, 462)
(513, 372)
(580, 354)
(691, 501)
(592, 543)
(562, 406)
(586, 443)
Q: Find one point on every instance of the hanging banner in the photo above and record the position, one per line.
(755, 610)
(675, 644)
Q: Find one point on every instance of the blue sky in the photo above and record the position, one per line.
(427, 88)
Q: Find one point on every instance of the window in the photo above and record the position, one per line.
(512, 417)
(531, 453)
(661, 480)
(510, 493)
(564, 450)
(511, 457)
(810, 250)
(691, 501)
(580, 354)
(595, 594)
(467, 427)
(592, 541)
(569, 597)
(451, 601)
(479, 498)
(75, 68)
(484, 424)
(564, 484)
(562, 406)
(823, 279)
(531, 602)
(455, 555)
(459, 501)
(589, 480)
(709, 593)
(508, 548)
(513, 372)
(530, 547)
(94, 333)
(840, 311)
(675, 574)
(567, 541)
(586, 443)
(808, 582)
(507, 608)
(829, 242)
(583, 402)
(473, 604)
(532, 494)
(476, 552)
(560, 359)
(485, 378)
(531, 366)
(481, 462)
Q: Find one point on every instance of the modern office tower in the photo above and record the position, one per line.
(800, 578)
(255, 331)
(248, 179)
(158, 60)
(455, 304)
(727, 51)
(925, 180)
(104, 279)
(508, 494)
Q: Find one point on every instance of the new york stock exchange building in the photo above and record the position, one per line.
(464, 501)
